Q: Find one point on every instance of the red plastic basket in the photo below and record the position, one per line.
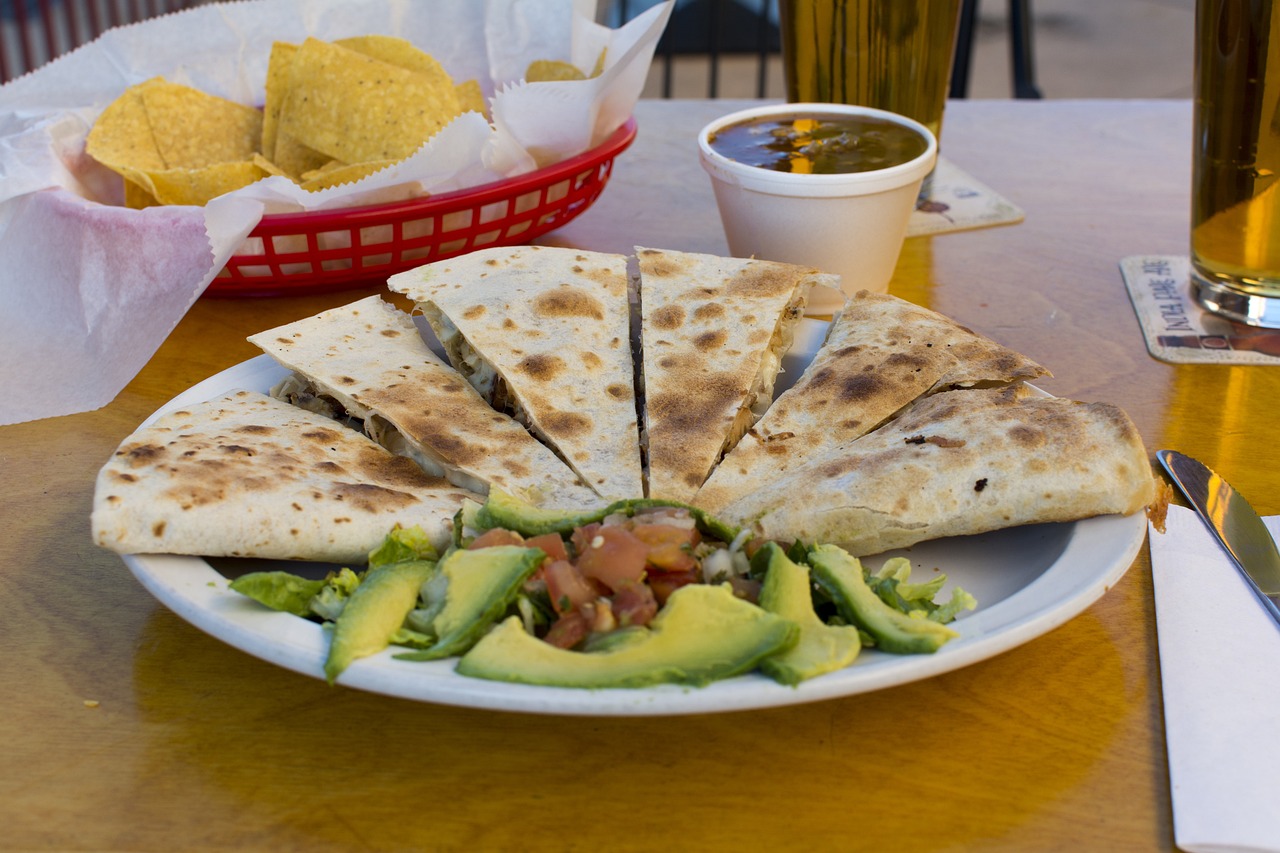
(289, 253)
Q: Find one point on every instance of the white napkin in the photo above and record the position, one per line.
(1220, 665)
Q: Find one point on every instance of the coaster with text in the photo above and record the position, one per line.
(953, 200)
(1177, 329)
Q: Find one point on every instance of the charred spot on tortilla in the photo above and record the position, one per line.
(1026, 435)
(568, 423)
(668, 317)
(591, 360)
(568, 301)
(541, 367)
(144, 454)
(474, 312)
(708, 311)
(760, 281)
(371, 498)
(618, 391)
(711, 340)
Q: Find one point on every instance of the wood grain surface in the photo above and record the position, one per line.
(123, 728)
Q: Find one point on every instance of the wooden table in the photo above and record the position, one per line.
(123, 728)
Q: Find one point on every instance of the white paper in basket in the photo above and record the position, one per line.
(89, 289)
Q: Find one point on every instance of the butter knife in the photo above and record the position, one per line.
(1233, 521)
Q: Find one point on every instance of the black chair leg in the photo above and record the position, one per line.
(1021, 54)
(963, 59)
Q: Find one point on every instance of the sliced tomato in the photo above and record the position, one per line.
(613, 556)
(494, 537)
(567, 588)
(670, 548)
(665, 583)
(551, 544)
(634, 604)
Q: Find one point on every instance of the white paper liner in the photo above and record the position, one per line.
(95, 288)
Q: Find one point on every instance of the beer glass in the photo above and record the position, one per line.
(1235, 195)
(893, 55)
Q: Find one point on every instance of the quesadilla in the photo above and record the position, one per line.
(246, 475)
(368, 361)
(544, 333)
(958, 463)
(881, 353)
(714, 331)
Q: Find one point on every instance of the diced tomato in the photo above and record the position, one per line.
(665, 583)
(567, 588)
(634, 604)
(582, 536)
(569, 630)
(670, 548)
(613, 556)
(746, 588)
(551, 544)
(494, 537)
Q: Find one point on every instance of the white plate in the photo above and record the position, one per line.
(1027, 580)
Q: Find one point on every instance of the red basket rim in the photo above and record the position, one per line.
(613, 144)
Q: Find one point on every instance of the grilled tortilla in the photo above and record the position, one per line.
(367, 360)
(249, 476)
(958, 463)
(544, 333)
(880, 354)
(714, 331)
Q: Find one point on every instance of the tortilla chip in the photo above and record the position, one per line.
(547, 70)
(267, 166)
(471, 98)
(356, 109)
(122, 136)
(334, 174)
(295, 159)
(198, 186)
(277, 89)
(193, 129)
(137, 197)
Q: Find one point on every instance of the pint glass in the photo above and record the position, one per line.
(1235, 182)
(893, 55)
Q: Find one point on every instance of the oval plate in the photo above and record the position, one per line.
(1027, 580)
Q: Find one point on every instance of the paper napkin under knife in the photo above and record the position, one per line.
(1220, 668)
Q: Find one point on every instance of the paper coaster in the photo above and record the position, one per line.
(1178, 330)
(955, 201)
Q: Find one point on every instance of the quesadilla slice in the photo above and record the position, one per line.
(545, 334)
(249, 476)
(958, 463)
(881, 354)
(368, 361)
(714, 331)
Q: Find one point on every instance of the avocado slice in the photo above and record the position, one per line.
(509, 512)
(374, 612)
(840, 575)
(702, 634)
(821, 647)
(470, 590)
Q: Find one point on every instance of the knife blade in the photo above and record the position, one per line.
(1233, 521)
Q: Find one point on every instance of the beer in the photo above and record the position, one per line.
(1235, 209)
(895, 55)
